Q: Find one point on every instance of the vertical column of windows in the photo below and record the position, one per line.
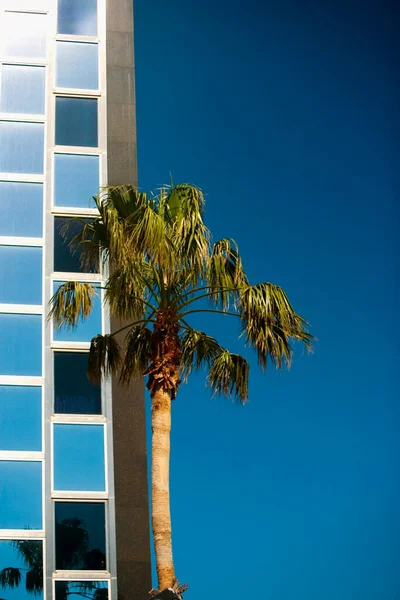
(79, 480)
(23, 55)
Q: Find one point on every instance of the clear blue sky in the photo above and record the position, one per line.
(286, 114)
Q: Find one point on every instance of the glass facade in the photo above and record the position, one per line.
(56, 479)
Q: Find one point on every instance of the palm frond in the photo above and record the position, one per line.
(269, 323)
(137, 353)
(127, 292)
(72, 302)
(139, 224)
(104, 357)
(225, 273)
(229, 376)
(198, 350)
(190, 236)
(10, 577)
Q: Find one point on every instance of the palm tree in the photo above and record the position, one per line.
(162, 268)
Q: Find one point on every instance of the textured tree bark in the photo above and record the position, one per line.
(161, 515)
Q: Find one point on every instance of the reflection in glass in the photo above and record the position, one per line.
(79, 458)
(20, 480)
(21, 569)
(76, 180)
(20, 344)
(77, 17)
(85, 330)
(26, 35)
(67, 259)
(22, 89)
(74, 590)
(77, 65)
(76, 121)
(20, 275)
(74, 395)
(21, 209)
(20, 418)
(21, 147)
(80, 535)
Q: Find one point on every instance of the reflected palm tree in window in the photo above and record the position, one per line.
(72, 553)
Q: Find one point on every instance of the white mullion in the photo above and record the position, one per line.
(66, 211)
(76, 92)
(22, 118)
(68, 37)
(81, 496)
(21, 178)
(31, 11)
(22, 309)
(21, 380)
(20, 241)
(56, 345)
(23, 62)
(78, 419)
(82, 575)
(22, 534)
(82, 277)
(23, 455)
(86, 150)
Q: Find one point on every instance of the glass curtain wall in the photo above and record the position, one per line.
(56, 485)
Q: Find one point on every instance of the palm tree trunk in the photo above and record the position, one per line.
(161, 516)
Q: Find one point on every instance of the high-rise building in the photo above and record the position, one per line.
(74, 517)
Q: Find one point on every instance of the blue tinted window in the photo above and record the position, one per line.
(77, 17)
(22, 89)
(67, 259)
(20, 480)
(20, 418)
(76, 122)
(21, 147)
(85, 329)
(77, 65)
(26, 35)
(20, 275)
(79, 457)
(20, 344)
(25, 557)
(76, 180)
(76, 590)
(74, 395)
(86, 549)
(21, 209)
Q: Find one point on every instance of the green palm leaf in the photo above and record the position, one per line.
(225, 274)
(198, 350)
(138, 353)
(72, 302)
(269, 322)
(229, 376)
(104, 357)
